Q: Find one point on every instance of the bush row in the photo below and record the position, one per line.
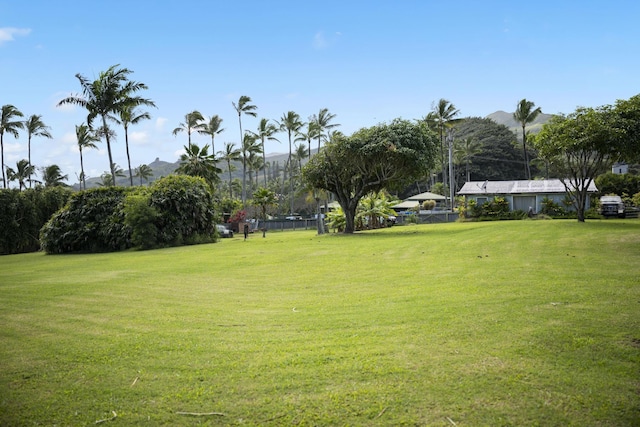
(23, 213)
(174, 210)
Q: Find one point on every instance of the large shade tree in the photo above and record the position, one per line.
(105, 97)
(386, 156)
(9, 123)
(526, 113)
(579, 147)
(35, 127)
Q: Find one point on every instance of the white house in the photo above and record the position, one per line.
(416, 200)
(521, 195)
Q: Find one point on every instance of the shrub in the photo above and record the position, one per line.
(141, 217)
(185, 210)
(552, 209)
(428, 205)
(92, 221)
(23, 213)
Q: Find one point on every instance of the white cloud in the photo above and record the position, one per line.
(160, 122)
(139, 138)
(319, 41)
(7, 33)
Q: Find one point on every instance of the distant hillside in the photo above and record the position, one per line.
(504, 118)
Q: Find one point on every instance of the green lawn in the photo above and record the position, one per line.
(515, 323)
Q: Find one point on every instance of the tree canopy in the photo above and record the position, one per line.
(583, 144)
(386, 156)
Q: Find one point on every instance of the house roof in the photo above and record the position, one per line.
(407, 204)
(542, 186)
(427, 196)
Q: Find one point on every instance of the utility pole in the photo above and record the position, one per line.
(451, 180)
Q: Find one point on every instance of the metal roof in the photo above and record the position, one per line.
(517, 187)
(407, 204)
(427, 196)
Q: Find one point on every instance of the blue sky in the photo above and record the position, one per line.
(366, 61)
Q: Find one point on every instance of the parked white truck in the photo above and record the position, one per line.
(611, 206)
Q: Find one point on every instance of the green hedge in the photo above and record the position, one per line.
(174, 210)
(23, 213)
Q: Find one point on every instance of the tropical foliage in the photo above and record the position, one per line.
(264, 199)
(35, 127)
(174, 210)
(197, 161)
(582, 145)
(23, 213)
(8, 124)
(386, 156)
(526, 113)
(105, 97)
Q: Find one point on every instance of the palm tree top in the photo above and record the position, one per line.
(36, 127)
(525, 113)
(7, 124)
(110, 93)
(244, 106)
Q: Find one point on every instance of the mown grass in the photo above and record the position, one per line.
(503, 323)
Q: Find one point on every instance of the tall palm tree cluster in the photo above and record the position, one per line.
(250, 151)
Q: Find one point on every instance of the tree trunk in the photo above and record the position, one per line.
(111, 164)
(126, 143)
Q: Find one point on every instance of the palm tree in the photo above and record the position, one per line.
(197, 161)
(35, 127)
(310, 134)
(52, 176)
(442, 116)
(106, 97)
(212, 128)
(525, 114)
(86, 139)
(266, 130)
(249, 146)
(22, 173)
(9, 125)
(144, 172)
(324, 125)
(192, 122)
(230, 154)
(465, 150)
(264, 198)
(130, 116)
(107, 178)
(290, 122)
(244, 106)
(299, 154)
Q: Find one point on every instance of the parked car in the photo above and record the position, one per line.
(611, 206)
(224, 231)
